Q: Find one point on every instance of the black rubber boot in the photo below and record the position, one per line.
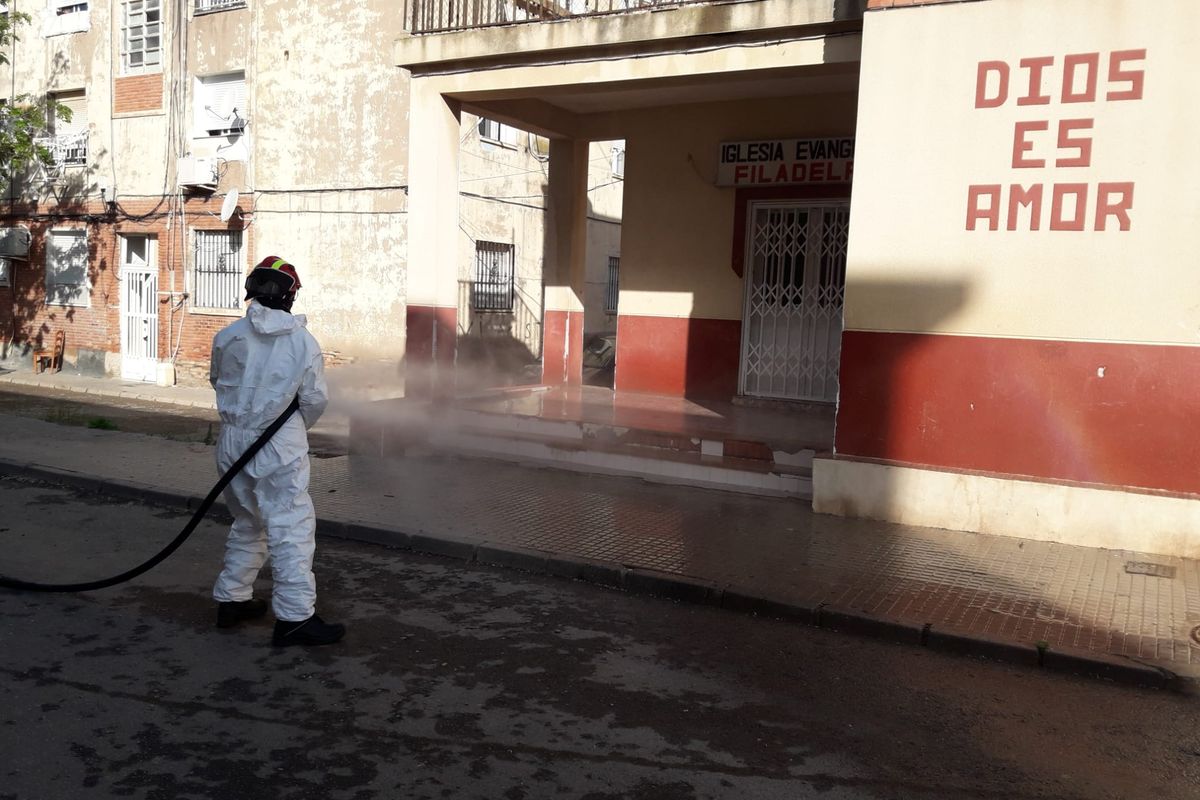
(233, 613)
(312, 632)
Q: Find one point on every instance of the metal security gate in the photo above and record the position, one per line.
(139, 309)
(795, 286)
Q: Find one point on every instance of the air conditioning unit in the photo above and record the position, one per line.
(197, 173)
(14, 242)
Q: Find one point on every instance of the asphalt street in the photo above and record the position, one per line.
(458, 681)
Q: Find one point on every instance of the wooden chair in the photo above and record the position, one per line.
(51, 357)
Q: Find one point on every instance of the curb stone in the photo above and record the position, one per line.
(672, 587)
(1119, 669)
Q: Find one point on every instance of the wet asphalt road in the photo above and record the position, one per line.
(457, 681)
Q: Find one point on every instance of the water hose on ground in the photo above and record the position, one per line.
(161, 555)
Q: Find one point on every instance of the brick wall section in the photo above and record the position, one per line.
(138, 93)
(26, 320)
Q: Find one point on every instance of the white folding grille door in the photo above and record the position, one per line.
(139, 309)
(795, 286)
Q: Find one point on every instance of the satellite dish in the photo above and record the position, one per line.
(230, 205)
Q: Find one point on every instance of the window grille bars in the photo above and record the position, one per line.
(612, 288)
(433, 16)
(492, 288)
(217, 278)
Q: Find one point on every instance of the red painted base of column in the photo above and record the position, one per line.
(689, 357)
(430, 341)
(1114, 414)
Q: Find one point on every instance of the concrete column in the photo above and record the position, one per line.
(565, 269)
(432, 309)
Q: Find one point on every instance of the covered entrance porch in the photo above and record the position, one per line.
(731, 277)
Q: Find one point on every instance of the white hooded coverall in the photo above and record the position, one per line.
(259, 363)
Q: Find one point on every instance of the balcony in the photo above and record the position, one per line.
(439, 16)
(66, 150)
(210, 6)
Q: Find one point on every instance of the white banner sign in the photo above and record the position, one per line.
(776, 162)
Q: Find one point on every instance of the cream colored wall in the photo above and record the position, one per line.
(502, 200)
(66, 62)
(504, 196)
(328, 129)
(1087, 516)
(922, 142)
(677, 235)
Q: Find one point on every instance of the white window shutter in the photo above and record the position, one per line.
(77, 103)
(217, 100)
(66, 268)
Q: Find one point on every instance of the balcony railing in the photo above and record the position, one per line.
(67, 150)
(435, 16)
(207, 6)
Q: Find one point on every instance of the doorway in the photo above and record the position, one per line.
(139, 308)
(795, 291)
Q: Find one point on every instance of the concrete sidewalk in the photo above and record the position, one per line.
(190, 396)
(1123, 615)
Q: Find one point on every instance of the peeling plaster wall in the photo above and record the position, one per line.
(66, 62)
(329, 122)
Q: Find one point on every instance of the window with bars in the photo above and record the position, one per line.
(141, 36)
(612, 288)
(219, 270)
(67, 268)
(492, 287)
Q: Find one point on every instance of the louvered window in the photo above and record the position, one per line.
(221, 104)
(141, 36)
(67, 268)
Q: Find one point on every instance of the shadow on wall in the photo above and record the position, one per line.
(497, 347)
(876, 390)
(36, 304)
(65, 275)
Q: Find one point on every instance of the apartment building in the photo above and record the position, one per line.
(961, 225)
(207, 134)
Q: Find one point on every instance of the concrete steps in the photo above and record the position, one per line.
(703, 459)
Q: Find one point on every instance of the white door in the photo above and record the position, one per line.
(795, 286)
(139, 308)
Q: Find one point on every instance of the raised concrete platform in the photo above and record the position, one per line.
(762, 450)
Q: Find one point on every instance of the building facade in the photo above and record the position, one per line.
(964, 224)
(207, 134)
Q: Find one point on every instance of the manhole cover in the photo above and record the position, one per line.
(1149, 568)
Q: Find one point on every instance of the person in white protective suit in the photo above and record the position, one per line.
(259, 364)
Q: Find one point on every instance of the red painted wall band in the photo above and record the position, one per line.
(1114, 414)
(421, 322)
(683, 357)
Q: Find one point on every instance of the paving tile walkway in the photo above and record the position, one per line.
(991, 588)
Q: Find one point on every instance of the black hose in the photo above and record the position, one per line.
(29, 586)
